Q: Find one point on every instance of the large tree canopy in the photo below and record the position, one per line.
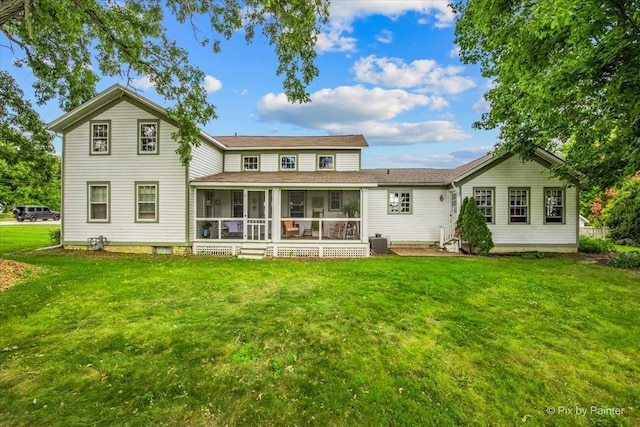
(63, 41)
(564, 72)
(29, 168)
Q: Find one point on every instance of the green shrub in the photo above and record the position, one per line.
(625, 260)
(473, 228)
(595, 246)
(54, 236)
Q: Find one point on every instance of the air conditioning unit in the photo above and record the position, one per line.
(378, 245)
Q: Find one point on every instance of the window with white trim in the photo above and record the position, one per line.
(148, 137)
(326, 162)
(98, 198)
(147, 202)
(553, 205)
(287, 162)
(518, 205)
(100, 138)
(399, 202)
(484, 201)
(250, 163)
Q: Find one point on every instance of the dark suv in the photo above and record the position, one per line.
(32, 213)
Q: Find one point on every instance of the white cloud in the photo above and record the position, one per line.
(344, 104)
(424, 74)
(348, 10)
(342, 13)
(211, 84)
(143, 83)
(441, 160)
(331, 39)
(402, 133)
(385, 36)
(482, 106)
(455, 52)
(356, 109)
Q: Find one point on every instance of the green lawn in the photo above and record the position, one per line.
(102, 339)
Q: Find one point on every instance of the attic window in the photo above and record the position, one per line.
(288, 163)
(148, 137)
(325, 163)
(100, 137)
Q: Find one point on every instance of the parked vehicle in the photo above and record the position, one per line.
(33, 213)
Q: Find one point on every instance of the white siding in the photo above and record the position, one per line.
(420, 227)
(306, 162)
(206, 160)
(513, 173)
(348, 161)
(122, 168)
(232, 162)
(269, 163)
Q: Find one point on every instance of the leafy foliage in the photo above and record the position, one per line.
(594, 246)
(473, 228)
(622, 213)
(63, 41)
(29, 168)
(625, 260)
(565, 72)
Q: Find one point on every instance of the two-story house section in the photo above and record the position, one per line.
(290, 195)
(121, 176)
(286, 195)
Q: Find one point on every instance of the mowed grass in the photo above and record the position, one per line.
(102, 339)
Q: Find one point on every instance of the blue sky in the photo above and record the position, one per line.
(388, 70)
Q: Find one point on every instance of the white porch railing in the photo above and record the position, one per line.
(447, 233)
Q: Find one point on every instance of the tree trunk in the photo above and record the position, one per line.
(11, 9)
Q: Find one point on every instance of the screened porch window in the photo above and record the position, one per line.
(296, 204)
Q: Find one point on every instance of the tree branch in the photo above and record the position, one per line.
(11, 9)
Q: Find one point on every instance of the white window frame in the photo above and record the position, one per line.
(91, 203)
(155, 202)
(289, 158)
(332, 200)
(250, 163)
(333, 162)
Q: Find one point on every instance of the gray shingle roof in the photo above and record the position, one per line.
(362, 177)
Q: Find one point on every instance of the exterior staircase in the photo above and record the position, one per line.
(449, 242)
(251, 250)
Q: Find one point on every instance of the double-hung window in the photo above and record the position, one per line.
(335, 200)
(399, 202)
(288, 163)
(553, 205)
(326, 163)
(250, 163)
(148, 137)
(100, 137)
(147, 202)
(485, 202)
(518, 205)
(98, 197)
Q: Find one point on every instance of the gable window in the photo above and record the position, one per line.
(147, 202)
(399, 202)
(287, 162)
(148, 137)
(484, 202)
(553, 205)
(296, 204)
(518, 205)
(250, 163)
(335, 200)
(98, 199)
(325, 163)
(100, 137)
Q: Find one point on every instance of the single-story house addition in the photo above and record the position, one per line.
(285, 196)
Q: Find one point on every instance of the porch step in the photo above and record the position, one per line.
(252, 251)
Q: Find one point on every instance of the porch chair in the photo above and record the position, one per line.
(337, 230)
(290, 228)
